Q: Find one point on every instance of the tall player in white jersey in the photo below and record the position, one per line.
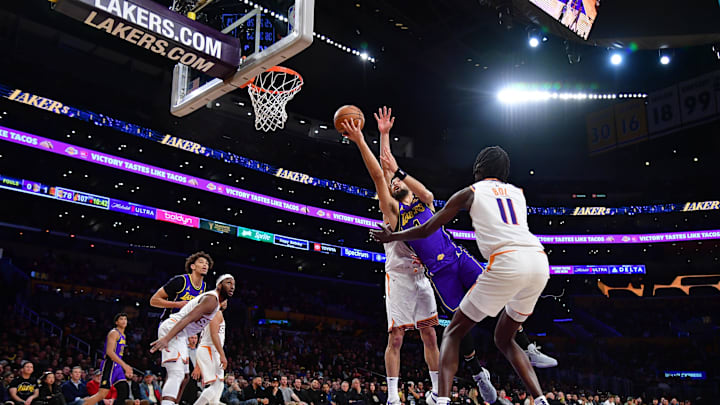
(516, 273)
(409, 296)
(211, 359)
(190, 320)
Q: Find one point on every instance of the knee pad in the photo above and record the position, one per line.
(175, 376)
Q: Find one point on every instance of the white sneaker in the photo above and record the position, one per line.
(431, 398)
(539, 359)
(487, 391)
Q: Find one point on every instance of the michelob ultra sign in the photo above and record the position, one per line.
(151, 26)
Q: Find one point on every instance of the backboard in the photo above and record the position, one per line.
(270, 32)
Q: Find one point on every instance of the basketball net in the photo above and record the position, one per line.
(269, 92)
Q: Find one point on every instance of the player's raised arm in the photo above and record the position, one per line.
(388, 205)
(462, 200)
(385, 122)
(207, 305)
(160, 298)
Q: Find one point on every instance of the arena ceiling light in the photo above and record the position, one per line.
(616, 58)
(665, 56)
(518, 96)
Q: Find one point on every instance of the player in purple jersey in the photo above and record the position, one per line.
(115, 372)
(177, 292)
(451, 268)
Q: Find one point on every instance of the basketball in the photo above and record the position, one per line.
(348, 112)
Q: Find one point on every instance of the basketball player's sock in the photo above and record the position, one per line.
(474, 364)
(392, 383)
(522, 339)
(207, 395)
(445, 401)
(434, 381)
(166, 402)
(541, 400)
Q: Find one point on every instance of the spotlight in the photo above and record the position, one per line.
(716, 50)
(665, 56)
(534, 42)
(616, 59)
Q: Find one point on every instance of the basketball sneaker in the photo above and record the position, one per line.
(487, 391)
(431, 398)
(539, 359)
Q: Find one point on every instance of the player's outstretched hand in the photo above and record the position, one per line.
(388, 160)
(159, 344)
(384, 119)
(352, 131)
(383, 235)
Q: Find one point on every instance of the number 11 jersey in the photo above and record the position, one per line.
(499, 218)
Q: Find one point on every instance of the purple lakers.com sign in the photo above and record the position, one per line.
(149, 25)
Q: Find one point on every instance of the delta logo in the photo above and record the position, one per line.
(71, 151)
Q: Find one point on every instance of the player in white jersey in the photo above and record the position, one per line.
(516, 273)
(211, 359)
(409, 296)
(190, 320)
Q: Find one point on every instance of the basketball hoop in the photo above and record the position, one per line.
(269, 92)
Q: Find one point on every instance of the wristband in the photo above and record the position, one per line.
(400, 174)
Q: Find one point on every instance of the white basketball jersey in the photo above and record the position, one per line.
(206, 339)
(193, 328)
(398, 257)
(499, 217)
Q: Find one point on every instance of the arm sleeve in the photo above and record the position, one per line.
(174, 286)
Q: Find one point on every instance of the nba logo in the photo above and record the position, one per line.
(291, 18)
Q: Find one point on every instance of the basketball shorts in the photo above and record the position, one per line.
(177, 350)
(409, 301)
(208, 359)
(453, 280)
(112, 373)
(513, 279)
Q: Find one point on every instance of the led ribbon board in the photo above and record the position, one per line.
(158, 173)
(157, 29)
(229, 157)
(130, 208)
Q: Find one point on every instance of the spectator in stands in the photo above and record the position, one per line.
(274, 394)
(231, 392)
(93, 386)
(150, 390)
(341, 396)
(299, 392)
(74, 390)
(288, 395)
(7, 378)
(59, 378)
(256, 391)
(326, 394)
(50, 393)
(315, 394)
(355, 395)
(24, 388)
(373, 395)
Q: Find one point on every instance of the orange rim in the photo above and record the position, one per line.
(280, 69)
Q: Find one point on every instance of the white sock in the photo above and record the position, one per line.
(434, 381)
(541, 400)
(392, 383)
(443, 400)
(205, 397)
(166, 402)
(219, 385)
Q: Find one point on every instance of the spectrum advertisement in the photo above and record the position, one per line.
(129, 208)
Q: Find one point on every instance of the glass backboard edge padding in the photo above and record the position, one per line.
(181, 104)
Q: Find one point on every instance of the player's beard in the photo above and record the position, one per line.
(400, 194)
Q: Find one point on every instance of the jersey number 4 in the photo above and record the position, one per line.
(510, 208)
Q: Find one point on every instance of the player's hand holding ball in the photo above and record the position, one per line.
(352, 131)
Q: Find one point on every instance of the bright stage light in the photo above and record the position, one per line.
(616, 59)
(664, 60)
(534, 42)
